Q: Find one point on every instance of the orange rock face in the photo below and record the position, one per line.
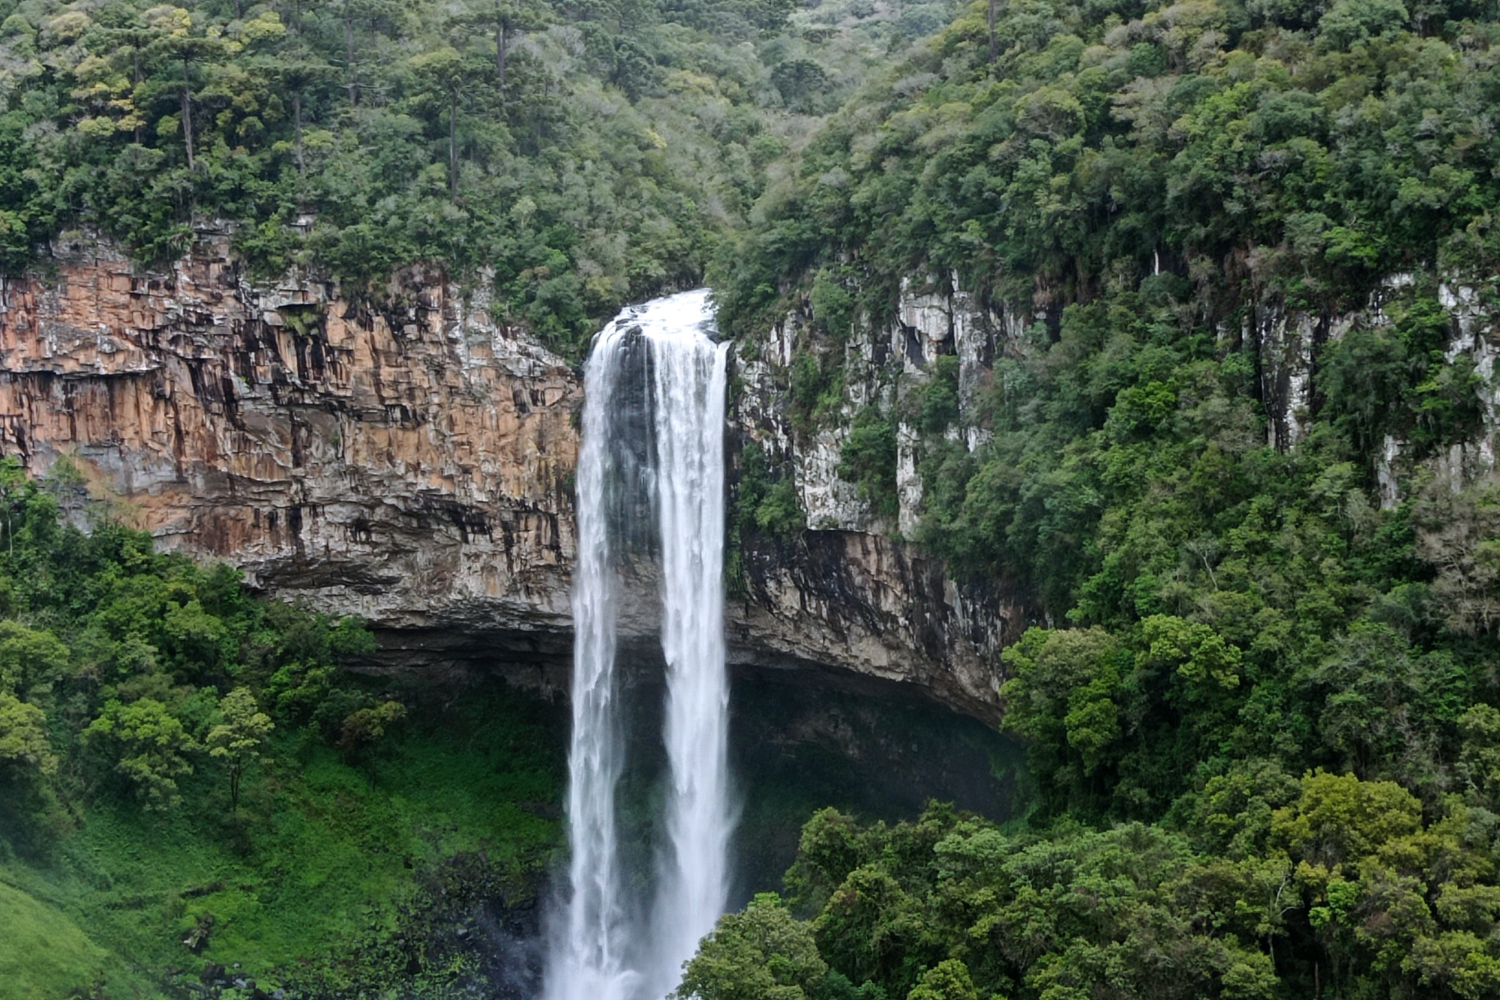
(397, 455)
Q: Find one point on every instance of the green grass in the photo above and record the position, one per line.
(43, 954)
(320, 854)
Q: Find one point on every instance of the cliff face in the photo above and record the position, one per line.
(953, 633)
(401, 456)
(396, 455)
(862, 601)
(911, 620)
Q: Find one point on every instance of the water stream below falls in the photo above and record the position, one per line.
(650, 485)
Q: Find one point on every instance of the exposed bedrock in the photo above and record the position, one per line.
(400, 455)
(395, 455)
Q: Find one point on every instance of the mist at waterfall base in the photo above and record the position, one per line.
(650, 485)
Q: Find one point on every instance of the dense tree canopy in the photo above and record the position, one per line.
(1259, 698)
(1149, 180)
(133, 669)
(1342, 890)
(573, 155)
(1304, 149)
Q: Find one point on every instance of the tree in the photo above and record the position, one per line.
(25, 752)
(1340, 819)
(150, 747)
(129, 42)
(505, 19)
(295, 73)
(1458, 534)
(177, 41)
(66, 482)
(870, 925)
(1062, 695)
(238, 739)
(192, 637)
(30, 659)
(990, 21)
(868, 459)
(364, 727)
(761, 953)
(354, 13)
(801, 81)
(948, 980)
(445, 74)
(13, 487)
(1350, 21)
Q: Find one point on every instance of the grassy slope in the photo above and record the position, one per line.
(42, 952)
(319, 856)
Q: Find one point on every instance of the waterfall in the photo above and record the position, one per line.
(689, 377)
(653, 449)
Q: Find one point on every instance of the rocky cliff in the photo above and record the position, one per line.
(398, 454)
(884, 361)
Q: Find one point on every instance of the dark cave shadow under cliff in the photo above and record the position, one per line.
(801, 739)
(808, 739)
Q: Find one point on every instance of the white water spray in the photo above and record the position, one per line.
(689, 376)
(602, 954)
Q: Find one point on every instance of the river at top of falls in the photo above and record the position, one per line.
(651, 468)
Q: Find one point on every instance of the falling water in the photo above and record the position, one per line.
(586, 961)
(689, 377)
(661, 355)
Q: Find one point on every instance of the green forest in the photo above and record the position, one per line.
(185, 764)
(573, 155)
(1262, 716)
(1261, 705)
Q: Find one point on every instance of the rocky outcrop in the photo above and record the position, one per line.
(862, 601)
(1287, 343)
(950, 635)
(851, 590)
(401, 455)
(397, 455)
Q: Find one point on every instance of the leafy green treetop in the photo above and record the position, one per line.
(30, 660)
(238, 739)
(25, 751)
(762, 953)
(150, 747)
(365, 727)
(948, 980)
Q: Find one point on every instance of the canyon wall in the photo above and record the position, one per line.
(883, 362)
(398, 454)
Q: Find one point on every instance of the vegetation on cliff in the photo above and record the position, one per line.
(1263, 712)
(1223, 149)
(1263, 716)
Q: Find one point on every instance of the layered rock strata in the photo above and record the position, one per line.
(396, 455)
(400, 455)
(883, 360)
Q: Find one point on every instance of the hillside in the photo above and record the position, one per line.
(573, 156)
(1178, 318)
(1118, 372)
